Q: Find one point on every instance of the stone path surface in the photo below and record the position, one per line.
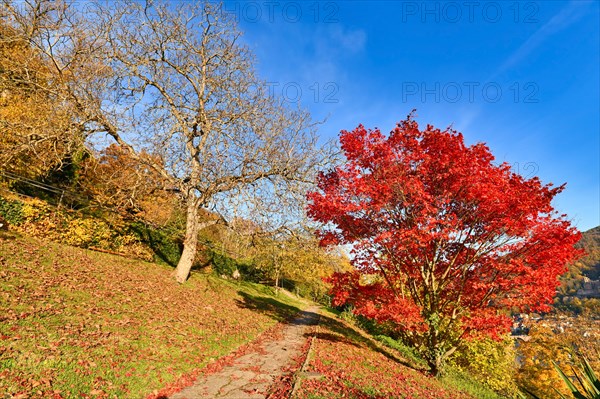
(251, 374)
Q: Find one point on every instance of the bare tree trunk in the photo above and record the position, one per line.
(189, 244)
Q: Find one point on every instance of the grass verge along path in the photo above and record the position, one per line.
(256, 373)
(344, 363)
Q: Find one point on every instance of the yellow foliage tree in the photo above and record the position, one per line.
(119, 181)
(536, 372)
(299, 259)
(37, 128)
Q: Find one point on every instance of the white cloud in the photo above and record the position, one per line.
(353, 41)
(569, 14)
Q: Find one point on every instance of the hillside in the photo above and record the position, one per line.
(82, 324)
(590, 264)
(586, 269)
(346, 362)
(78, 323)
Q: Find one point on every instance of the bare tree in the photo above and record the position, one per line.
(175, 81)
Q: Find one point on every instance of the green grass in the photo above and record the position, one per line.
(465, 383)
(371, 368)
(355, 366)
(406, 352)
(77, 323)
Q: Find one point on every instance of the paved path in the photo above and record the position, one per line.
(251, 374)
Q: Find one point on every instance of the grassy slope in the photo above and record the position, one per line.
(353, 366)
(77, 323)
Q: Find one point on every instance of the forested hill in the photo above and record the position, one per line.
(588, 266)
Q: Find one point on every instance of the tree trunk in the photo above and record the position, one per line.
(437, 361)
(182, 271)
(435, 365)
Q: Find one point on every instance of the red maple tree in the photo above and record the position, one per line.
(445, 242)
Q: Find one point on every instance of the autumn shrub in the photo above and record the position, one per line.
(129, 244)
(223, 264)
(37, 218)
(11, 210)
(465, 382)
(35, 210)
(87, 233)
(489, 362)
(110, 234)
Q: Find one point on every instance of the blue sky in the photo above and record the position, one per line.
(523, 77)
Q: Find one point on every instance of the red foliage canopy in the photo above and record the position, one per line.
(444, 241)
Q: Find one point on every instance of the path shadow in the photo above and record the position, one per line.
(305, 318)
(352, 337)
(332, 338)
(268, 306)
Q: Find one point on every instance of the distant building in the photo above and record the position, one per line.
(589, 289)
